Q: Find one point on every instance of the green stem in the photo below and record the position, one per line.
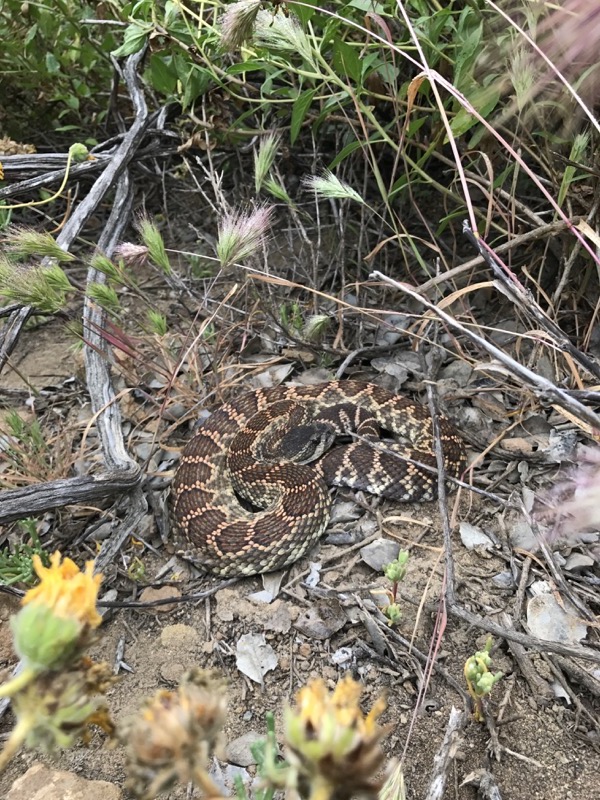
(31, 203)
(15, 740)
(320, 789)
(17, 683)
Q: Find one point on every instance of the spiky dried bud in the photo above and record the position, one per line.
(58, 707)
(237, 23)
(240, 235)
(172, 738)
(132, 255)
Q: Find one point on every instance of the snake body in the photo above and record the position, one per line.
(256, 448)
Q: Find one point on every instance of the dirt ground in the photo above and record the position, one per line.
(549, 748)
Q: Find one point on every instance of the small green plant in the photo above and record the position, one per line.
(480, 680)
(26, 449)
(315, 327)
(157, 322)
(271, 767)
(290, 315)
(54, 65)
(16, 564)
(395, 572)
(136, 569)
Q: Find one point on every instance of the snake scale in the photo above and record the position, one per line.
(250, 493)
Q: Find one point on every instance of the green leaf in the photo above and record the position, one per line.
(134, 39)
(345, 152)
(468, 48)
(161, 74)
(369, 5)
(171, 14)
(30, 35)
(346, 60)
(52, 64)
(303, 13)
(245, 66)
(299, 111)
(197, 82)
(483, 100)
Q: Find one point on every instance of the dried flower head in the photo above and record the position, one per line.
(132, 255)
(58, 614)
(240, 235)
(172, 738)
(237, 23)
(58, 707)
(335, 749)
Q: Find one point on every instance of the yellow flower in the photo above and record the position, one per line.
(334, 747)
(54, 625)
(68, 592)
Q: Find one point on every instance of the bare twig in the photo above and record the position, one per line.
(509, 285)
(444, 757)
(547, 390)
(122, 472)
(542, 231)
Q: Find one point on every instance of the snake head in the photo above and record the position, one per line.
(306, 443)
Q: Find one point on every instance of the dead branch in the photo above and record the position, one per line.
(549, 391)
(509, 285)
(445, 756)
(122, 472)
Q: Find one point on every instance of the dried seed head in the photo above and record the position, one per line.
(237, 23)
(132, 255)
(58, 707)
(172, 737)
(240, 235)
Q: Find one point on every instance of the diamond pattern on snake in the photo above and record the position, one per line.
(276, 450)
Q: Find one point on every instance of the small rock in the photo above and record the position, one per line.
(179, 637)
(578, 561)
(548, 620)
(504, 580)
(322, 620)
(379, 553)
(238, 751)
(474, 538)
(41, 783)
(522, 535)
(149, 595)
(171, 672)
